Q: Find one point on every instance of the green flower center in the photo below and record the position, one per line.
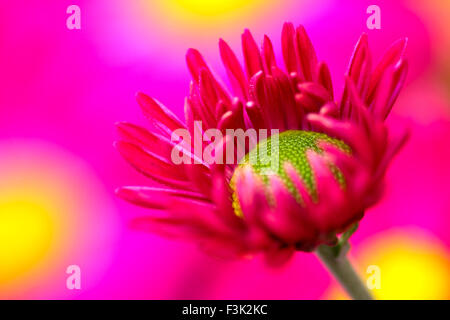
(288, 146)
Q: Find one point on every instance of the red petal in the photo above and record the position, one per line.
(325, 78)
(391, 57)
(156, 111)
(156, 198)
(268, 55)
(306, 55)
(287, 220)
(195, 63)
(288, 47)
(234, 70)
(151, 165)
(251, 54)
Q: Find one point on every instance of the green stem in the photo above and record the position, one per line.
(343, 271)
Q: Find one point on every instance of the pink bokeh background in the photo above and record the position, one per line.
(61, 91)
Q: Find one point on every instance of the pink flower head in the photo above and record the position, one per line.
(284, 211)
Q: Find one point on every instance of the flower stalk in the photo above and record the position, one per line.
(339, 265)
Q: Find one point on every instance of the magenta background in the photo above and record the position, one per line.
(67, 88)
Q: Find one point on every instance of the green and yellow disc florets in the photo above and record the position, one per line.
(290, 146)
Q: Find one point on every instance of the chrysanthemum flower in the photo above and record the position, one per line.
(333, 153)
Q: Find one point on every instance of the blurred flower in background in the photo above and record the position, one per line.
(62, 90)
(54, 212)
